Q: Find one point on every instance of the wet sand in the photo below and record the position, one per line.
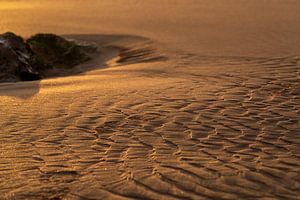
(155, 121)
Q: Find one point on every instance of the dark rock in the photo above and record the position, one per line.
(15, 57)
(28, 74)
(27, 61)
(54, 51)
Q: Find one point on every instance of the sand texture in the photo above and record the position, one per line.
(144, 127)
(189, 99)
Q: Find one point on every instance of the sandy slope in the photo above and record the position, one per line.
(217, 128)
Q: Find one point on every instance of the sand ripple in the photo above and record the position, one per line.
(219, 128)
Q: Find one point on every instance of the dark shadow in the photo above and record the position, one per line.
(22, 89)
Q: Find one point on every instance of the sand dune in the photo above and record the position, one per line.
(218, 128)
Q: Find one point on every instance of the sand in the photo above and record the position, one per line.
(150, 119)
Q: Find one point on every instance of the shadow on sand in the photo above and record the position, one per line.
(22, 90)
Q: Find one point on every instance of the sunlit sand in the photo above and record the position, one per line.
(186, 100)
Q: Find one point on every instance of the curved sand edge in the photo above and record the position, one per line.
(116, 50)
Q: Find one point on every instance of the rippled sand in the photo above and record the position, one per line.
(219, 128)
(205, 106)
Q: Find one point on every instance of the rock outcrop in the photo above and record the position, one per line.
(15, 59)
(28, 60)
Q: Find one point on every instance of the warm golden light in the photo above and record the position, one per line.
(15, 5)
(160, 99)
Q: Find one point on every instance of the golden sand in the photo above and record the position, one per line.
(204, 103)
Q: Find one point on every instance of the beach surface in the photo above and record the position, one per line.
(190, 99)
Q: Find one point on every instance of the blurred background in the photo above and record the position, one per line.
(207, 27)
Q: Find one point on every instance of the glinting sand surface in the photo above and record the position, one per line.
(157, 119)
